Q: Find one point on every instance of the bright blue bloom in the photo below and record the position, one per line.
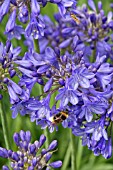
(15, 32)
(16, 93)
(92, 5)
(19, 9)
(48, 85)
(67, 95)
(95, 136)
(72, 65)
(35, 27)
(62, 5)
(19, 108)
(8, 68)
(23, 14)
(35, 7)
(80, 77)
(11, 22)
(89, 108)
(4, 9)
(97, 35)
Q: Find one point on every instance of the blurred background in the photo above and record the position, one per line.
(85, 158)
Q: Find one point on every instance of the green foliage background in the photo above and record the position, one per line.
(85, 158)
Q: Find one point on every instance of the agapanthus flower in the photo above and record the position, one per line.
(63, 4)
(73, 67)
(95, 136)
(62, 34)
(94, 30)
(98, 26)
(73, 77)
(35, 27)
(8, 70)
(83, 90)
(12, 30)
(28, 11)
(26, 157)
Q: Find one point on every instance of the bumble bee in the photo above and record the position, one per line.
(59, 117)
(73, 16)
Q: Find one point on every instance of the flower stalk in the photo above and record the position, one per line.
(79, 153)
(36, 46)
(4, 125)
(67, 157)
(73, 152)
(47, 137)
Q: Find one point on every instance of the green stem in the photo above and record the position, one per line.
(92, 160)
(36, 46)
(73, 152)
(4, 125)
(67, 157)
(47, 137)
(94, 53)
(79, 154)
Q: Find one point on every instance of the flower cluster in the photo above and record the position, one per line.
(9, 61)
(84, 90)
(28, 11)
(79, 76)
(74, 65)
(93, 28)
(26, 157)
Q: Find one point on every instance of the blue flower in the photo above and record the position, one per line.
(35, 7)
(4, 9)
(9, 63)
(35, 27)
(94, 135)
(7, 69)
(48, 85)
(15, 32)
(23, 14)
(80, 77)
(107, 151)
(67, 95)
(63, 4)
(16, 92)
(64, 32)
(92, 5)
(92, 106)
(11, 21)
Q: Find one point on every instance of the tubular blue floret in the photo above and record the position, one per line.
(5, 167)
(56, 164)
(4, 8)
(32, 149)
(48, 85)
(52, 145)
(35, 7)
(11, 22)
(42, 140)
(48, 156)
(15, 156)
(23, 15)
(3, 152)
(28, 136)
(16, 138)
